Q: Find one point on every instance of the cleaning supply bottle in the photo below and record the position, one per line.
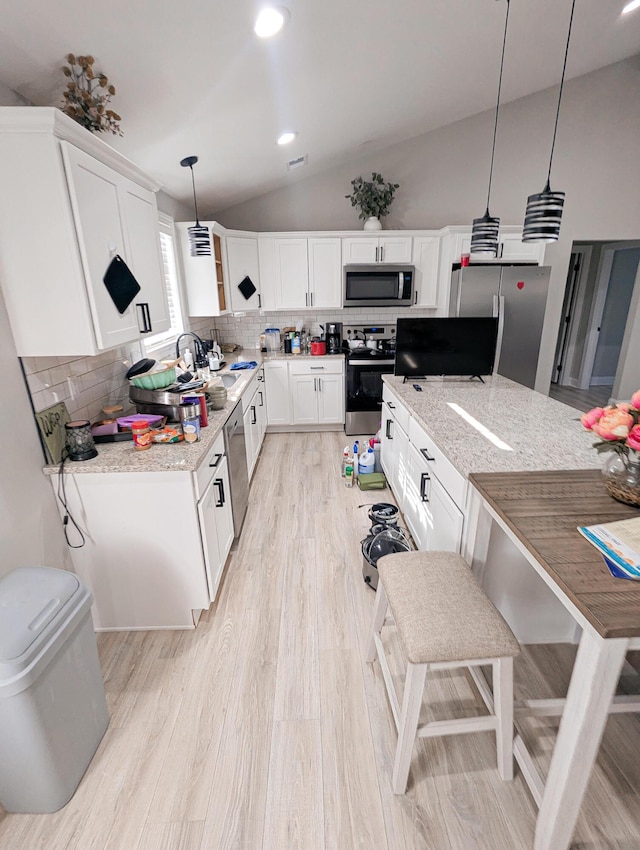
(348, 475)
(355, 460)
(345, 460)
(366, 462)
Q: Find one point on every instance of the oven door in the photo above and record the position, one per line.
(364, 394)
(364, 383)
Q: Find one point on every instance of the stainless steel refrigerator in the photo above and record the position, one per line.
(518, 296)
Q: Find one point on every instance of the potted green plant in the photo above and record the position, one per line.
(373, 198)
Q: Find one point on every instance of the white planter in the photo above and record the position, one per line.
(373, 223)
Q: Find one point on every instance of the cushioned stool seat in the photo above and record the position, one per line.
(443, 619)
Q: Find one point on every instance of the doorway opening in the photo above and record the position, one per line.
(596, 309)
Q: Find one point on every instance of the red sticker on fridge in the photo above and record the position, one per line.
(520, 284)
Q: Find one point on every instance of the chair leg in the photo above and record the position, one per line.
(411, 703)
(503, 706)
(379, 614)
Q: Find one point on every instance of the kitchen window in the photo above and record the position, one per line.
(172, 285)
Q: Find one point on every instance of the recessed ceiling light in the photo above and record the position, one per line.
(287, 137)
(270, 21)
(630, 7)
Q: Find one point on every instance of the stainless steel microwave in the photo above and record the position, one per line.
(378, 285)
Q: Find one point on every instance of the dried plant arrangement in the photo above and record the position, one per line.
(88, 95)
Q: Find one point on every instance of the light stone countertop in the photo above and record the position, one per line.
(543, 433)
(180, 457)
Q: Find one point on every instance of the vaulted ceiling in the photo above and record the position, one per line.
(192, 77)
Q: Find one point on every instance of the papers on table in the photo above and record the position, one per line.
(619, 544)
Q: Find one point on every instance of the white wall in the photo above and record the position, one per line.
(30, 531)
(443, 176)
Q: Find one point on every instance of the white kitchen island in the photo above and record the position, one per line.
(435, 437)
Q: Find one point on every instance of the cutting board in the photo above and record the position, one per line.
(51, 423)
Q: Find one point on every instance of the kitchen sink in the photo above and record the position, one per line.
(228, 380)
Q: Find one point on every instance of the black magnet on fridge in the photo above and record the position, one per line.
(246, 287)
(121, 284)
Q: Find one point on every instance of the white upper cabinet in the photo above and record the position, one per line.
(426, 254)
(325, 273)
(241, 256)
(511, 249)
(145, 255)
(300, 273)
(376, 249)
(94, 204)
(203, 276)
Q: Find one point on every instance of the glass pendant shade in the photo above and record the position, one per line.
(484, 235)
(543, 216)
(199, 236)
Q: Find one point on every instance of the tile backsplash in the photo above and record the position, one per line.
(246, 330)
(87, 384)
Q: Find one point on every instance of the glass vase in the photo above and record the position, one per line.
(621, 474)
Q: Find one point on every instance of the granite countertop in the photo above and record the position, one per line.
(180, 457)
(542, 433)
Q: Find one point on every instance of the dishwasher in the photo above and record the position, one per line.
(234, 444)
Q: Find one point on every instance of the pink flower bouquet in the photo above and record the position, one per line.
(616, 426)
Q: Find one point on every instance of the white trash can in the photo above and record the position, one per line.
(53, 711)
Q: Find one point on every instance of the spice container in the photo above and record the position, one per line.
(141, 435)
(190, 419)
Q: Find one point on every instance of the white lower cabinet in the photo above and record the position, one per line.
(393, 451)
(216, 522)
(255, 421)
(317, 392)
(305, 392)
(428, 489)
(155, 542)
(434, 519)
(276, 379)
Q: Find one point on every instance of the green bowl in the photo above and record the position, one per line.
(155, 380)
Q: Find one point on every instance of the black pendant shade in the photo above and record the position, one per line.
(543, 215)
(484, 235)
(485, 230)
(199, 236)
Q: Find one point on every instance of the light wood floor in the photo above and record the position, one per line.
(263, 729)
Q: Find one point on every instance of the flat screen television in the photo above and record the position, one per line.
(452, 346)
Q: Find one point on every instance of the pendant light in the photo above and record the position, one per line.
(484, 234)
(544, 210)
(199, 238)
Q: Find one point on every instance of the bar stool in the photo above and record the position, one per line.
(444, 620)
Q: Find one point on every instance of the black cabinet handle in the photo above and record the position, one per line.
(426, 454)
(391, 406)
(259, 301)
(253, 414)
(220, 485)
(423, 480)
(146, 317)
(387, 432)
(261, 398)
(217, 463)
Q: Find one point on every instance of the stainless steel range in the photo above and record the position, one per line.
(366, 364)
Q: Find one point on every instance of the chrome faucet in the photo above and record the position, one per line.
(200, 353)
